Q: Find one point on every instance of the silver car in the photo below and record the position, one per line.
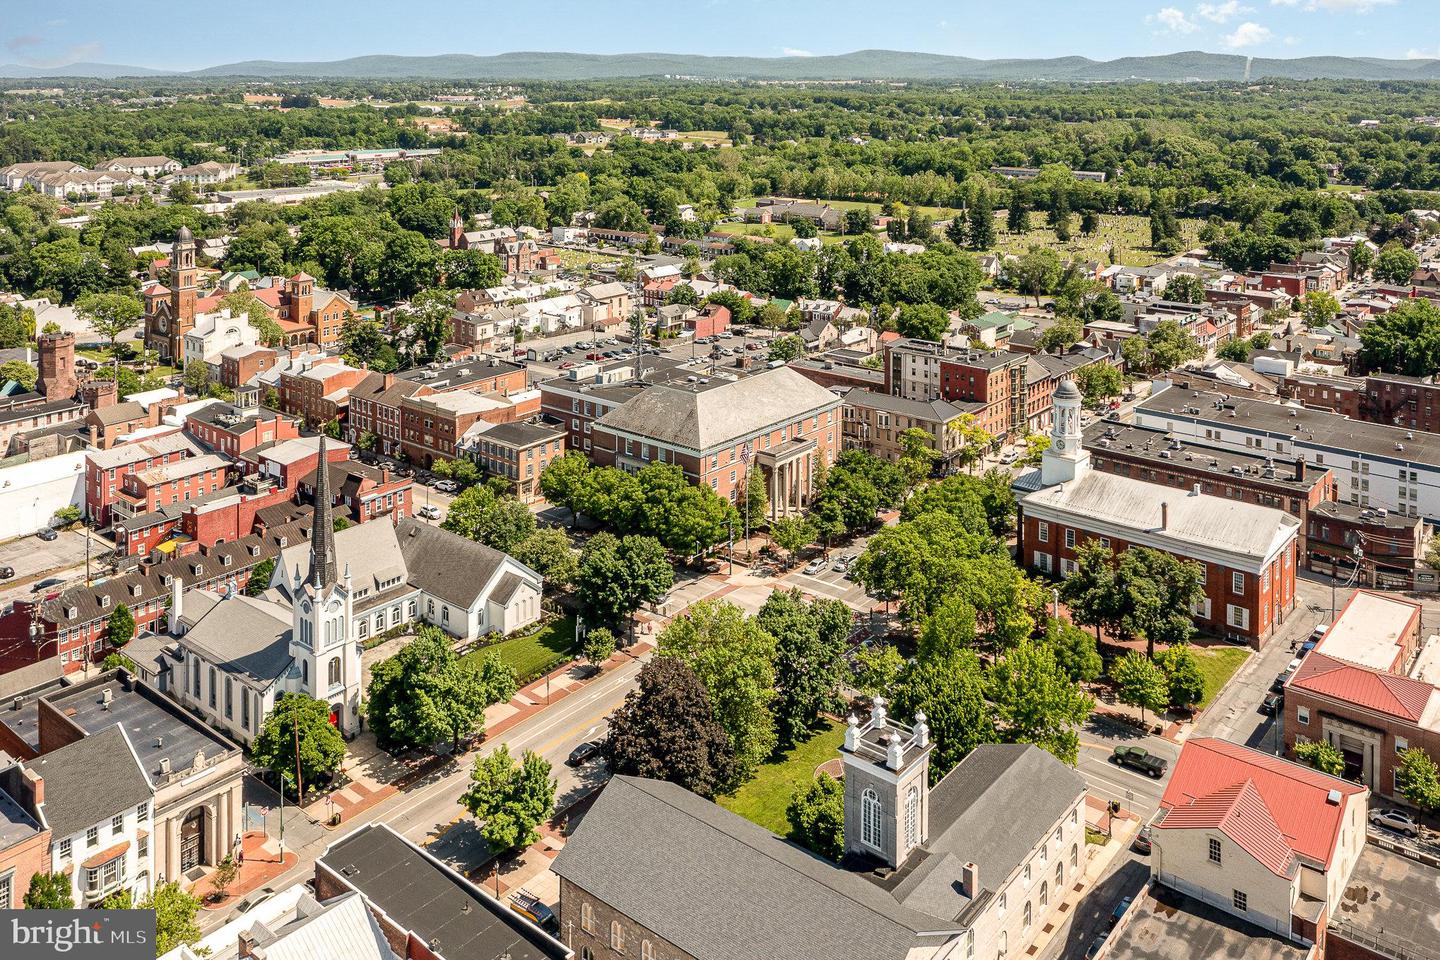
(1394, 820)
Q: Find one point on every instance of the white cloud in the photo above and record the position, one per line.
(1413, 54)
(1222, 12)
(1172, 20)
(795, 52)
(1248, 34)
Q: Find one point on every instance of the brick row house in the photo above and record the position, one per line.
(1248, 553)
(106, 471)
(993, 380)
(516, 451)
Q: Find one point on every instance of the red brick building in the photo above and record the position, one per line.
(517, 451)
(320, 393)
(994, 379)
(289, 462)
(375, 409)
(144, 491)
(239, 364)
(107, 470)
(232, 432)
(363, 493)
(25, 841)
(711, 321)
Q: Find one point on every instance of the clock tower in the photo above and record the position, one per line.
(1066, 459)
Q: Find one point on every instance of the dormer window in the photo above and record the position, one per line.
(104, 603)
(225, 560)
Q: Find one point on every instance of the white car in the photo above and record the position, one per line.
(815, 566)
(430, 512)
(1401, 823)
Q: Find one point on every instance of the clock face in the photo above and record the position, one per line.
(1060, 444)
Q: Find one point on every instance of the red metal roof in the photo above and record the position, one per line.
(1239, 812)
(1292, 797)
(1385, 693)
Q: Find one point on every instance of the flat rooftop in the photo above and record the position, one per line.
(460, 921)
(16, 825)
(1426, 667)
(1167, 450)
(1391, 898)
(1370, 631)
(1172, 926)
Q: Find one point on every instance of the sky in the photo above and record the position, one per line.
(173, 36)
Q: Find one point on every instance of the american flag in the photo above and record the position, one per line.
(745, 454)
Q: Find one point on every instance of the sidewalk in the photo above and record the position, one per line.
(1125, 826)
(262, 864)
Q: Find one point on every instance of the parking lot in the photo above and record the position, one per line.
(34, 560)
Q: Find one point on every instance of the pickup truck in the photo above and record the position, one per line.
(1138, 759)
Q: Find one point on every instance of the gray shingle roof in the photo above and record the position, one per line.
(73, 772)
(716, 885)
(447, 565)
(244, 635)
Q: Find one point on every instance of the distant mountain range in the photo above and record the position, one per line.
(860, 65)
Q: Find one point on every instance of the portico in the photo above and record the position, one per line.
(789, 469)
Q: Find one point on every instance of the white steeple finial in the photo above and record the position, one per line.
(852, 733)
(922, 730)
(895, 753)
(877, 713)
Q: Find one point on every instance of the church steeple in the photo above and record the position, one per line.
(322, 534)
(1066, 459)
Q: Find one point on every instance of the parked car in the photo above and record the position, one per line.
(1278, 684)
(1272, 704)
(815, 566)
(1092, 951)
(1142, 840)
(446, 486)
(6, 573)
(1119, 911)
(528, 905)
(1141, 760)
(46, 584)
(430, 512)
(47, 534)
(843, 564)
(1009, 457)
(1396, 821)
(583, 753)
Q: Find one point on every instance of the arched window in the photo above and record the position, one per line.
(647, 952)
(1044, 893)
(1059, 875)
(305, 672)
(1074, 856)
(1029, 915)
(912, 817)
(585, 954)
(617, 937)
(870, 818)
(334, 671)
(587, 918)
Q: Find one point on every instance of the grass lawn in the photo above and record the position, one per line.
(764, 799)
(535, 654)
(779, 232)
(1128, 236)
(581, 259)
(1217, 666)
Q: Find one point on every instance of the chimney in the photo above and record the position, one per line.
(1299, 469)
(1195, 490)
(164, 766)
(970, 880)
(1164, 515)
(246, 945)
(176, 592)
(107, 696)
(388, 380)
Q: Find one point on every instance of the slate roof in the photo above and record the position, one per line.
(1293, 795)
(72, 772)
(243, 635)
(725, 887)
(451, 567)
(703, 417)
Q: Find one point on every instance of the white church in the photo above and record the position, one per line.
(305, 633)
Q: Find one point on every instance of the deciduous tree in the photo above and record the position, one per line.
(816, 814)
(511, 798)
(666, 730)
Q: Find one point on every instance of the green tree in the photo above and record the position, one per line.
(1063, 334)
(563, 480)
(949, 689)
(974, 440)
(1075, 650)
(1395, 264)
(512, 798)
(499, 522)
(120, 629)
(918, 456)
(922, 321)
(877, 669)
(1318, 308)
(1099, 381)
(616, 576)
(791, 534)
(25, 374)
(242, 304)
(598, 645)
(175, 912)
(427, 693)
(224, 874)
(1035, 701)
(1090, 592)
(1182, 673)
(816, 814)
(197, 378)
(471, 270)
(1406, 340)
(1036, 272)
(1185, 288)
(49, 891)
(1419, 780)
(1140, 682)
(1236, 350)
(786, 348)
(109, 315)
(980, 222)
(1157, 593)
(666, 730)
(1321, 755)
(810, 640)
(320, 747)
(547, 551)
(260, 576)
(735, 660)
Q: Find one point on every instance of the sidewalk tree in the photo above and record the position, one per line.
(320, 751)
(1395, 264)
(918, 456)
(120, 629)
(260, 575)
(810, 640)
(786, 348)
(735, 660)
(427, 693)
(1099, 381)
(960, 496)
(563, 481)
(975, 441)
(1090, 592)
(1182, 675)
(791, 534)
(598, 645)
(616, 576)
(547, 551)
(950, 690)
(1140, 682)
(225, 874)
(756, 505)
(666, 730)
(1075, 650)
(511, 798)
(1321, 755)
(1419, 780)
(49, 891)
(816, 814)
(175, 912)
(1036, 702)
